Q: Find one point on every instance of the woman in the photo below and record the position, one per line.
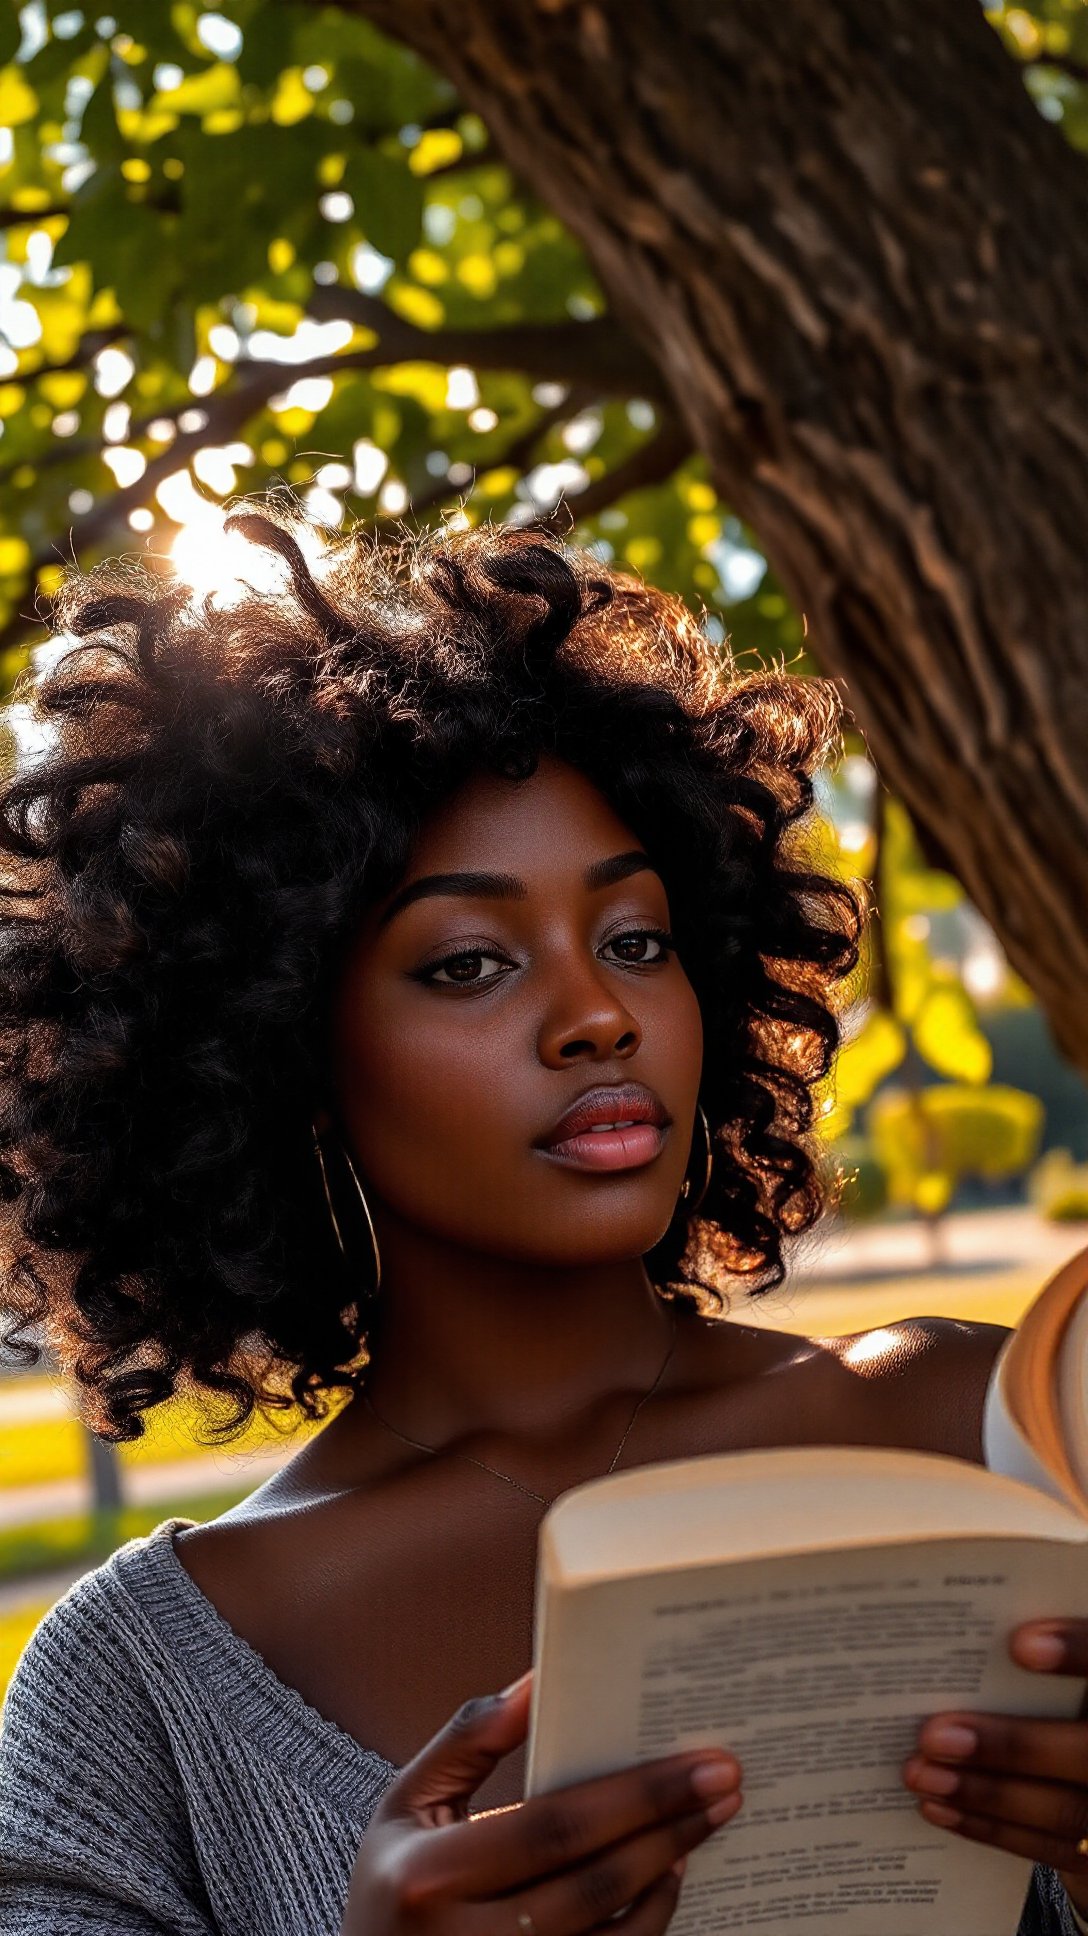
(413, 994)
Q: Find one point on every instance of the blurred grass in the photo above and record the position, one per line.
(86, 1538)
(82, 1542)
(39, 1451)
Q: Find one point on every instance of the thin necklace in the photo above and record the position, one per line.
(482, 1463)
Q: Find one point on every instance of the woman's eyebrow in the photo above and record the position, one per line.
(507, 887)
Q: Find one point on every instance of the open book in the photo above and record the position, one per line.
(807, 1607)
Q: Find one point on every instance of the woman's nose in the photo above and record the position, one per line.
(589, 1023)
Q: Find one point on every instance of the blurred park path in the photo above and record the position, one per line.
(144, 1485)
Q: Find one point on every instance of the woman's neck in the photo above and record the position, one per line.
(467, 1343)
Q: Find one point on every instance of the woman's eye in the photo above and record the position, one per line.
(462, 970)
(635, 946)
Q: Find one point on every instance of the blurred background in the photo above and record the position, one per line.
(270, 244)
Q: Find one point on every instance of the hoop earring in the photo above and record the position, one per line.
(685, 1189)
(353, 1173)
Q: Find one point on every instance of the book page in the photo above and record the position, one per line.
(816, 1670)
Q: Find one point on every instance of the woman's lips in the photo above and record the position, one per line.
(610, 1149)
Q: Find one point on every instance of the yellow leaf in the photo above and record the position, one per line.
(704, 529)
(51, 578)
(294, 421)
(18, 101)
(416, 305)
(947, 1034)
(875, 1051)
(63, 388)
(426, 265)
(425, 381)
(217, 87)
(643, 553)
(12, 396)
(145, 125)
(104, 310)
(477, 273)
(932, 1192)
(292, 100)
(62, 322)
(509, 258)
(498, 482)
(223, 121)
(434, 149)
(14, 555)
(700, 497)
(281, 254)
(29, 198)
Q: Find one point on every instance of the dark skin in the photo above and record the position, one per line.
(517, 1324)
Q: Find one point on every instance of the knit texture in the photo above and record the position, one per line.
(156, 1775)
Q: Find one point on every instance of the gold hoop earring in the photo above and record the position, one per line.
(354, 1175)
(685, 1190)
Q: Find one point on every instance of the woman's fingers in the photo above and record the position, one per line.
(650, 1913)
(1052, 1646)
(437, 1783)
(1038, 1808)
(1047, 1750)
(1034, 1844)
(590, 1894)
(494, 1853)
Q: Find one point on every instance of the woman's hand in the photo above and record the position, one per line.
(1017, 1784)
(566, 1861)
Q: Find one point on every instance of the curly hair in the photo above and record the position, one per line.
(224, 784)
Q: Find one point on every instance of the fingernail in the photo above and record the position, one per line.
(931, 1780)
(679, 1867)
(941, 1816)
(508, 1692)
(719, 1812)
(1040, 1649)
(949, 1738)
(715, 1778)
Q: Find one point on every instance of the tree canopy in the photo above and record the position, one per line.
(273, 242)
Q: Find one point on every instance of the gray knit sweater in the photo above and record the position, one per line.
(156, 1776)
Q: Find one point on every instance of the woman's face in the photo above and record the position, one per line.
(519, 964)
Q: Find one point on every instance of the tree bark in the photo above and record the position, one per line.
(858, 255)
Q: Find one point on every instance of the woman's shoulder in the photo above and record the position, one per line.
(88, 1788)
(917, 1382)
(89, 1647)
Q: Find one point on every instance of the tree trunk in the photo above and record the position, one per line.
(857, 253)
(104, 1471)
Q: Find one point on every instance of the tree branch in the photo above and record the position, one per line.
(652, 463)
(28, 218)
(113, 511)
(598, 351)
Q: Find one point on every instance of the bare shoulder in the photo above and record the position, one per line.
(919, 1382)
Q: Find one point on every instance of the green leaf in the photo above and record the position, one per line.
(388, 201)
(11, 34)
